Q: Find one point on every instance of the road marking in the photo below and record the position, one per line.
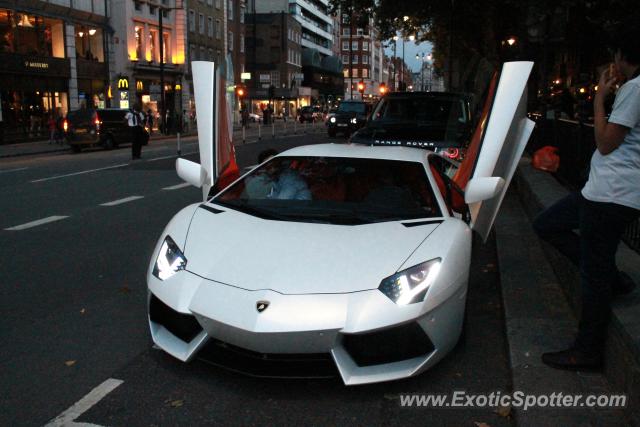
(36, 223)
(80, 173)
(121, 201)
(83, 405)
(177, 186)
(161, 158)
(12, 170)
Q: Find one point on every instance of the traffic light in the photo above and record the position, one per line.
(240, 91)
(383, 89)
(361, 86)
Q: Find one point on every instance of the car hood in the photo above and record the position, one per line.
(244, 251)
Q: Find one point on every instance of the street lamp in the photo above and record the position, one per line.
(161, 10)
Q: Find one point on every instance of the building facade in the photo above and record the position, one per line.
(274, 59)
(362, 57)
(313, 16)
(55, 57)
(141, 27)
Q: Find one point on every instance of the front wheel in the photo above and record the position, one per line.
(108, 143)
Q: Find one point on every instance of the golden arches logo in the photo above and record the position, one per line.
(139, 86)
(123, 83)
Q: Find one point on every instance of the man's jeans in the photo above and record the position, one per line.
(601, 226)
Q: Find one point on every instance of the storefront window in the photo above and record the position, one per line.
(89, 43)
(152, 53)
(138, 32)
(26, 34)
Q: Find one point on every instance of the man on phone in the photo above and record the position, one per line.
(135, 120)
(607, 204)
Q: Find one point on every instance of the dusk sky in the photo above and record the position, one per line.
(410, 51)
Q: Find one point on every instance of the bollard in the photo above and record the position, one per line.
(273, 129)
(179, 148)
(244, 140)
(304, 129)
(295, 126)
(284, 125)
(259, 131)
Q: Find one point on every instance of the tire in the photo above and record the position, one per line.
(108, 143)
(76, 148)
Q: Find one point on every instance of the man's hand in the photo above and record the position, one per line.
(606, 83)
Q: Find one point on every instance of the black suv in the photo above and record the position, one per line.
(349, 117)
(439, 121)
(104, 126)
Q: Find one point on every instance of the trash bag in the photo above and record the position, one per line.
(546, 159)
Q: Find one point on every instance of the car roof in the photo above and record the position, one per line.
(408, 154)
(396, 95)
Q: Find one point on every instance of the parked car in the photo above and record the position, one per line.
(104, 127)
(309, 114)
(439, 121)
(349, 117)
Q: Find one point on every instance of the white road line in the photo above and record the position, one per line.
(80, 173)
(83, 405)
(36, 223)
(121, 201)
(12, 170)
(161, 158)
(177, 186)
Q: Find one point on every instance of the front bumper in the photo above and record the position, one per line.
(369, 337)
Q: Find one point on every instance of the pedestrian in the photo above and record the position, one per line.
(53, 129)
(607, 204)
(135, 119)
(150, 121)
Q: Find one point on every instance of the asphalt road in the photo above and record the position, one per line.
(73, 305)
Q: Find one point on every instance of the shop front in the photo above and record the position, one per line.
(149, 97)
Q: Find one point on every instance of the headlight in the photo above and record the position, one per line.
(170, 260)
(354, 120)
(410, 286)
(332, 119)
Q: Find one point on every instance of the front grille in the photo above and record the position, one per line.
(309, 365)
(389, 345)
(183, 326)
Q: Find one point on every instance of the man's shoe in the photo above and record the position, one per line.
(572, 359)
(624, 285)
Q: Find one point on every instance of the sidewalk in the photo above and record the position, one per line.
(251, 133)
(541, 304)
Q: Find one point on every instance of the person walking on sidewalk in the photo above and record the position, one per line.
(607, 204)
(135, 119)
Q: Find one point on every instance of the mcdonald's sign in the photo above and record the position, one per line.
(123, 83)
(139, 86)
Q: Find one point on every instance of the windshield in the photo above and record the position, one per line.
(435, 118)
(352, 107)
(334, 190)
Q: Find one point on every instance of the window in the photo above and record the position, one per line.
(365, 45)
(138, 36)
(209, 2)
(192, 20)
(345, 72)
(345, 59)
(355, 59)
(165, 47)
(210, 27)
(201, 23)
(218, 29)
(152, 10)
(354, 72)
(241, 43)
(165, 13)
(345, 18)
(346, 31)
(365, 59)
(137, 6)
(359, 31)
(354, 45)
(275, 78)
(230, 9)
(345, 45)
(193, 54)
(152, 53)
(218, 4)
(242, 12)
(365, 72)
(230, 35)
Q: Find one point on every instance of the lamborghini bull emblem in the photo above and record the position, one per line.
(262, 306)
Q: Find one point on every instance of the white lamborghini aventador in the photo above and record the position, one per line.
(357, 251)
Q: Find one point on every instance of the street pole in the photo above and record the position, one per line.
(451, 47)
(402, 68)
(351, 51)
(163, 129)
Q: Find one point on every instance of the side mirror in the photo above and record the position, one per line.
(479, 189)
(190, 172)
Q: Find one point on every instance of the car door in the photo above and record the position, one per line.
(498, 141)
